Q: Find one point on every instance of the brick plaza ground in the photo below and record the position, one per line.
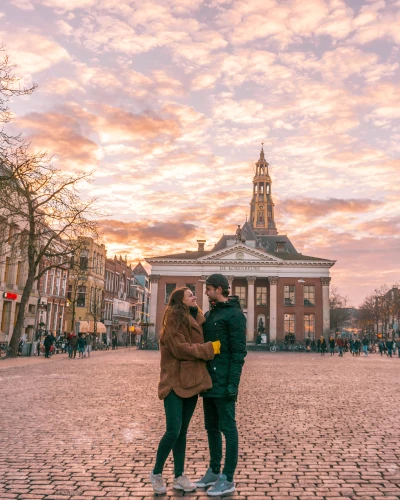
(310, 427)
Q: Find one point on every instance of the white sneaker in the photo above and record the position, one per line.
(183, 483)
(157, 482)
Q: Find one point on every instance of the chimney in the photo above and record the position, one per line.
(201, 244)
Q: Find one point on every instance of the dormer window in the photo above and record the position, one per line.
(280, 246)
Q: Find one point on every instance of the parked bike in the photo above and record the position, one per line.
(5, 351)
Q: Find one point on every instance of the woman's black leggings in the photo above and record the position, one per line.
(178, 413)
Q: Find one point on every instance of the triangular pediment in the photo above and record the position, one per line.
(239, 253)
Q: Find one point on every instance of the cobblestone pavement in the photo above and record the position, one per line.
(311, 427)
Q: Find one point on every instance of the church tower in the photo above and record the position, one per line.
(261, 205)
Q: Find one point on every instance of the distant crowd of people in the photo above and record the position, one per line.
(354, 346)
(71, 343)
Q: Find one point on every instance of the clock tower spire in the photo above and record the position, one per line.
(261, 205)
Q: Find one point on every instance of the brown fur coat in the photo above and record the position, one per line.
(183, 357)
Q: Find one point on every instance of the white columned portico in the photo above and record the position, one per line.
(273, 282)
(153, 305)
(205, 302)
(326, 324)
(250, 307)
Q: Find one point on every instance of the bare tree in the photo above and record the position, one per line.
(339, 312)
(40, 208)
(367, 315)
(96, 306)
(10, 86)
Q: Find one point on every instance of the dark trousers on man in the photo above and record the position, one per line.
(47, 351)
(219, 418)
(178, 413)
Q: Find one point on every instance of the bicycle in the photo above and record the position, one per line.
(5, 351)
(273, 347)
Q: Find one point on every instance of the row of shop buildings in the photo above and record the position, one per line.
(93, 294)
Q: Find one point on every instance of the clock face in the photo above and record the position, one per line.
(261, 207)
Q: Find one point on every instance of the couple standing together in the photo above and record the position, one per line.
(209, 365)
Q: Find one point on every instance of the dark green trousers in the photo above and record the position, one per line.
(219, 418)
(178, 413)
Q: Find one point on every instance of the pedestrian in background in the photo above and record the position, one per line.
(114, 342)
(183, 376)
(48, 342)
(322, 345)
(365, 345)
(357, 347)
(81, 345)
(332, 345)
(340, 344)
(89, 344)
(381, 347)
(73, 342)
(389, 346)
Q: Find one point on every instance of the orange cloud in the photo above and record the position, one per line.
(312, 207)
(61, 135)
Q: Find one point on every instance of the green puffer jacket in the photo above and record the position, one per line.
(226, 322)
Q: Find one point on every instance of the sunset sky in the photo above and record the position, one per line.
(169, 100)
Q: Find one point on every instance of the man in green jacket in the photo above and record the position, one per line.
(224, 322)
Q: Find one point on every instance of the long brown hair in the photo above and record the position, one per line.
(177, 307)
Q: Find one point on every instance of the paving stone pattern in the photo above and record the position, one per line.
(311, 427)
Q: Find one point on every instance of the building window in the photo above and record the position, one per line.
(192, 287)
(6, 317)
(81, 300)
(49, 311)
(309, 295)
(289, 295)
(289, 324)
(19, 274)
(309, 326)
(240, 291)
(7, 271)
(58, 277)
(260, 217)
(83, 261)
(52, 272)
(169, 288)
(261, 293)
(69, 293)
(31, 309)
(17, 308)
(64, 284)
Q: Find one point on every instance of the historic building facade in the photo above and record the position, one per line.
(13, 275)
(86, 284)
(281, 290)
(122, 302)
